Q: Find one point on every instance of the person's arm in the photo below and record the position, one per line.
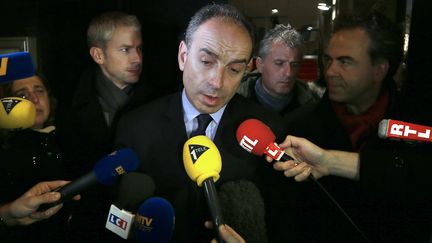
(310, 158)
(23, 211)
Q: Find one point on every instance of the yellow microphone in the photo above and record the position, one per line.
(16, 113)
(203, 163)
(201, 159)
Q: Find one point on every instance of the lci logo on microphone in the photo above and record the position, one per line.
(144, 223)
(117, 221)
(196, 151)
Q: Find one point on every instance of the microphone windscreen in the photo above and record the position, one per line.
(258, 134)
(382, 128)
(133, 189)
(117, 163)
(243, 210)
(15, 66)
(17, 113)
(154, 221)
(201, 159)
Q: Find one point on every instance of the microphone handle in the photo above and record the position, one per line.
(75, 187)
(70, 190)
(213, 203)
(286, 157)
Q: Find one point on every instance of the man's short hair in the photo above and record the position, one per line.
(102, 27)
(221, 11)
(284, 34)
(386, 38)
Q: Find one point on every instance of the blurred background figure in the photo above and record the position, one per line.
(275, 84)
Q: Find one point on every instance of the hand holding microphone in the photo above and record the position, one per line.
(311, 161)
(202, 162)
(257, 138)
(105, 172)
(227, 234)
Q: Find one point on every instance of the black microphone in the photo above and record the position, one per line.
(133, 189)
(243, 209)
(105, 172)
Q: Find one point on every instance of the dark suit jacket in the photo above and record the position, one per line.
(156, 131)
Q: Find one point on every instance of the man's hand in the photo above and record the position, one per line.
(309, 158)
(227, 234)
(23, 211)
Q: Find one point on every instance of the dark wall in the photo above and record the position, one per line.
(60, 28)
(418, 88)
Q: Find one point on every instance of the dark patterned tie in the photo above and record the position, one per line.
(203, 121)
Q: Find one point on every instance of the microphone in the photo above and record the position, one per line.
(154, 221)
(105, 172)
(257, 138)
(203, 163)
(133, 188)
(404, 131)
(244, 210)
(14, 66)
(16, 113)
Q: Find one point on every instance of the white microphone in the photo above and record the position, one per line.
(133, 189)
(119, 221)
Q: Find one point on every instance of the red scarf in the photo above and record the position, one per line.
(360, 127)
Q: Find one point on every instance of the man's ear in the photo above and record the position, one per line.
(97, 54)
(381, 70)
(182, 55)
(259, 64)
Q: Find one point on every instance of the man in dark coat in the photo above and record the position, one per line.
(380, 185)
(213, 57)
(104, 91)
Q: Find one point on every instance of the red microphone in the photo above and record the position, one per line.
(400, 130)
(257, 138)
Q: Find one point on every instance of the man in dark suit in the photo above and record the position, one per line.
(213, 57)
(107, 88)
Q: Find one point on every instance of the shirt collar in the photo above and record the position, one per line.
(190, 112)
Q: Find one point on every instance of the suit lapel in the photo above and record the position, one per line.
(173, 124)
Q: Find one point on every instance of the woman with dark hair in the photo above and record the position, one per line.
(29, 156)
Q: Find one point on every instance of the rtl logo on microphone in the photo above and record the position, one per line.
(248, 144)
(117, 221)
(409, 131)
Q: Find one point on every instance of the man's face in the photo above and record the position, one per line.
(214, 63)
(351, 77)
(34, 90)
(121, 59)
(279, 69)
